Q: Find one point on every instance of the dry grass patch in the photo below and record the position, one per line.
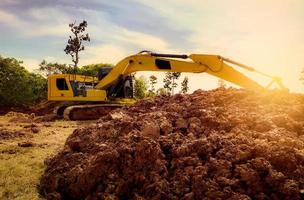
(21, 167)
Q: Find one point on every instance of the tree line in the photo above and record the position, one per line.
(147, 88)
(19, 86)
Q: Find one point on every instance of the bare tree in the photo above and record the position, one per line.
(153, 81)
(184, 84)
(75, 42)
(221, 83)
(170, 81)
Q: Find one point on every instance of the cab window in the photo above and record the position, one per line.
(61, 84)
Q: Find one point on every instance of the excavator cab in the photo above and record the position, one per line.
(71, 87)
(123, 87)
(104, 71)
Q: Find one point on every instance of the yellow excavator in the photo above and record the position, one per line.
(87, 97)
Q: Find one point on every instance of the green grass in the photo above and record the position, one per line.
(20, 172)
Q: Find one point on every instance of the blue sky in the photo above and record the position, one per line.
(268, 35)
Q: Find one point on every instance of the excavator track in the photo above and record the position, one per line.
(88, 112)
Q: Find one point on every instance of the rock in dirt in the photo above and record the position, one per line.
(32, 127)
(47, 124)
(26, 144)
(219, 144)
(47, 118)
(35, 129)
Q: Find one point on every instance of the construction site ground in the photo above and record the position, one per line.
(24, 145)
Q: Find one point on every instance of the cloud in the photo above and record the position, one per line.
(30, 64)
(143, 41)
(139, 17)
(129, 14)
(124, 44)
(102, 54)
(49, 14)
(8, 2)
(131, 42)
(58, 30)
(11, 20)
(45, 26)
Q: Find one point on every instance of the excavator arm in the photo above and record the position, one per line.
(214, 65)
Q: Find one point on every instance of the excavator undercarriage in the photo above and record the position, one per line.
(88, 112)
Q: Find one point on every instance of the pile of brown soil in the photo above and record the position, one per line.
(45, 108)
(220, 144)
(18, 117)
(21, 117)
(39, 109)
(21, 109)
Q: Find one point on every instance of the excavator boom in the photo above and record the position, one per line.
(214, 65)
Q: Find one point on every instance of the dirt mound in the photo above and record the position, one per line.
(21, 109)
(44, 108)
(220, 144)
(39, 109)
(17, 117)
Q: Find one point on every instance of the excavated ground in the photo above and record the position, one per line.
(220, 144)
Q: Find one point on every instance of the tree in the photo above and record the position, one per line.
(184, 85)
(302, 76)
(221, 83)
(175, 76)
(92, 70)
(46, 68)
(162, 91)
(140, 87)
(152, 81)
(75, 42)
(38, 88)
(167, 82)
(18, 86)
(170, 81)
